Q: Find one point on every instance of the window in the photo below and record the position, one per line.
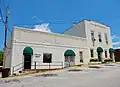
(92, 35)
(92, 52)
(47, 58)
(66, 59)
(81, 56)
(99, 36)
(105, 53)
(69, 59)
(106, 38)
(72, 59)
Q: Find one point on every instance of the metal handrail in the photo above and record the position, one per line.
(48, 64)
(18, 68)
(18, 64)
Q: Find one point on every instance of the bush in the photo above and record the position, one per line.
(93, 60)
(107, 60)
(1, 58)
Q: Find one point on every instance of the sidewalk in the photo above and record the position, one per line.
(53, 71)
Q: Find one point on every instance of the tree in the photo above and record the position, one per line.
(1, 58)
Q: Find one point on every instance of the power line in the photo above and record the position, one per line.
(1, 16)
(52, 23)
(9, 30)
(70, 22)
(2, 19)
(41, 23)
(4, 4)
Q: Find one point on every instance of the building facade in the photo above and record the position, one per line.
(98, 38)
(29, 49)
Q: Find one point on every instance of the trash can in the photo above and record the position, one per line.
(5, 72)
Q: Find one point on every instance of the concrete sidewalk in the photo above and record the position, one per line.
(54, 71)
(107, 76)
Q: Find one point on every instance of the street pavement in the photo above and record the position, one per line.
(107, 76)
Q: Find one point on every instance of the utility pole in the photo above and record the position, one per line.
(5, 39)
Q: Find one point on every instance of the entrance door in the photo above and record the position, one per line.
(72, 60)
(27, 61)
(99, 56)
(111, 55)
(69, 61)
(81, 57)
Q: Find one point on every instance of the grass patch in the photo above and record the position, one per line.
(94, 63)
(97, 67)
(77, 66)
(46, 75)
(75, 70)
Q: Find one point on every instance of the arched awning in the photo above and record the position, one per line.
(99, 49)
(28, 51)
(111, 50)
(69, 53)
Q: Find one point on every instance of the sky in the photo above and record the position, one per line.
(61, 14)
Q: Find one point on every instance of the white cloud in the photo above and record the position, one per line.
(115, 37)
(116, 43)
(36, 18)
(116, 47)
(42, 27)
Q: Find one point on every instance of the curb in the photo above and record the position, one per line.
(30, 75)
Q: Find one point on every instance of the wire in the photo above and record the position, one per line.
(4, 4)
(1, 16)
(9, 30)
(41, 23)
(8, 27)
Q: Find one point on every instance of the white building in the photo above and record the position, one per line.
(29, 49)
(98, 37)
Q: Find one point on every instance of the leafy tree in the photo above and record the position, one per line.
(1, 57)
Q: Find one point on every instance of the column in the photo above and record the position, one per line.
(113, 57)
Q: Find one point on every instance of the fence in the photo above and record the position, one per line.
(41, 65)
(37, 65)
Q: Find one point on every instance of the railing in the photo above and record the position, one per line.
(19, 66)
(38, 65)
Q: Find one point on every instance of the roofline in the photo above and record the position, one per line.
(73, 26)
(86, 20)
(64, 35)
(98, 22)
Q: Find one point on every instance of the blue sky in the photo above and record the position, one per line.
(61, 14)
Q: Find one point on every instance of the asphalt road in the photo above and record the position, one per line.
(108, 76)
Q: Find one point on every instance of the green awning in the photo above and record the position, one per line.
(28, 51)
(69, 53)
(111, 50)
(99, 49)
